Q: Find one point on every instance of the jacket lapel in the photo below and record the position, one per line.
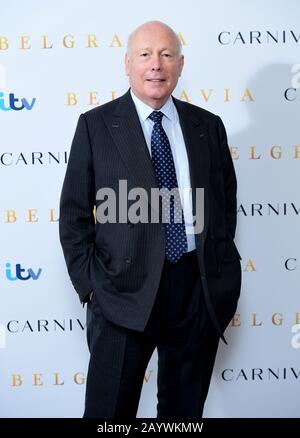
(127, 133)
(196, 140)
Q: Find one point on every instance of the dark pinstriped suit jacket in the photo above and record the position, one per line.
(122, 262)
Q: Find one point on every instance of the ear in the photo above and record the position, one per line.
(181, 64)
(127, 64)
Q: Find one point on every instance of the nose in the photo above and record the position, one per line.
(156, 63)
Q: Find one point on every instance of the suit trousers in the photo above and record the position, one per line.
(186, 341)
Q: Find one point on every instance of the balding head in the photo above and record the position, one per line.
(153, 62)
(154, 26)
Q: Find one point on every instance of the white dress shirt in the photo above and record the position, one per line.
(171, 125)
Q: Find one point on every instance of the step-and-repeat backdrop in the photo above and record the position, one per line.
(61, 58)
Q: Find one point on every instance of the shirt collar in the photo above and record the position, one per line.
(144, 111)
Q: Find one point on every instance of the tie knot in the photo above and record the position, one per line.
(156, 116)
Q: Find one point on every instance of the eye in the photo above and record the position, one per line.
(167, 55)
(144, 54)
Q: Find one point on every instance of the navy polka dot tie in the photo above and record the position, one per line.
(163, 163)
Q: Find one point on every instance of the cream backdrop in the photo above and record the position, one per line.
(242, 62)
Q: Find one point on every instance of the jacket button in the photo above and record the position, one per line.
(128, 260)
(130, 225)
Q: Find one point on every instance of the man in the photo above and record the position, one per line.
(151, 284)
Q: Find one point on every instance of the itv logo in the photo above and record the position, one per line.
(21, 273)
(12, 103)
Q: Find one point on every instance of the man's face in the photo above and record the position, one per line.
(153, 64)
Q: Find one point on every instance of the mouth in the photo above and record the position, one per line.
(156, 81)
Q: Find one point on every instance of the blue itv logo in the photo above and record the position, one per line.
(21, 274)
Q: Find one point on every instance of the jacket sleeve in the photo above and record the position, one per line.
(76, 218)
(230, 183)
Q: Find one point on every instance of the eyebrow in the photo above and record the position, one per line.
(149, 49)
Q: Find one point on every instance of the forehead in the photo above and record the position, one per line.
(154, 37)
